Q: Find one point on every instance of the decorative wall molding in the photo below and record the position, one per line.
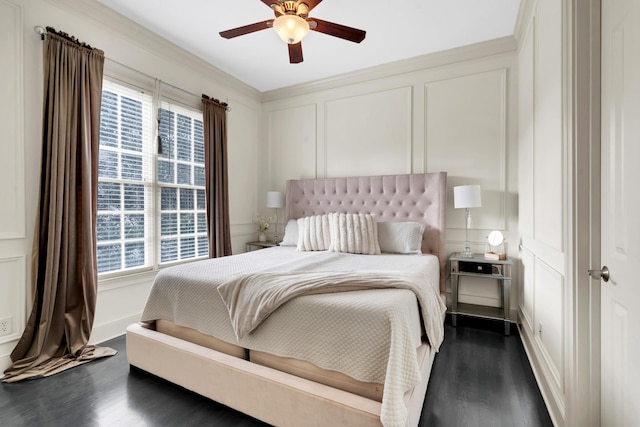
(350, 120)
(554, 405)
(12, 174)
(499, 173)
(525, 12)
(527, 295)
(550, 256)
(547, 282)
(13, 295)
(504, 45)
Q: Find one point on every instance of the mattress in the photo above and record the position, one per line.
(289, 365)
(369, 335)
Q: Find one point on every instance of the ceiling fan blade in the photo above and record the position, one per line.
(295, 53)
(337, 30)
(251, 28)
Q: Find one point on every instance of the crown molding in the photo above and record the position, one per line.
(107, 18)
(460, 54)
(525, 12)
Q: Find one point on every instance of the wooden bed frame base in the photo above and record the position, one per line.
(270, 395)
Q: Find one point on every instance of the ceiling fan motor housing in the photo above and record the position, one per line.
(289, 7)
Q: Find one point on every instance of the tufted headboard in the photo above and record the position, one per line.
(414, 197)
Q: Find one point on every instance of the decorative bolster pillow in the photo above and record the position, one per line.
(354, 233)
(401, 237)
(314, 233)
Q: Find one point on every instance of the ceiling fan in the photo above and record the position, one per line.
(292, 23)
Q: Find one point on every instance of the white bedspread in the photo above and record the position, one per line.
(370, 335)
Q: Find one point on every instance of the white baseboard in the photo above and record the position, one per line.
(107, 331)
(5, 362)
(555, 409)
(5, 353)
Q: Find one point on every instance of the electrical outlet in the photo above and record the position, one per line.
(6, 326)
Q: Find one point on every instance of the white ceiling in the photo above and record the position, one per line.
(396, 30)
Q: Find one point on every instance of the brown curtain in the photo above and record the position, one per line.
(64, 269)
(216, 181)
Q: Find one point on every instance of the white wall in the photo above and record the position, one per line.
(542, 190)
(455, 111)
(119, 302)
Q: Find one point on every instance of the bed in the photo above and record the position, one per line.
(361, 357)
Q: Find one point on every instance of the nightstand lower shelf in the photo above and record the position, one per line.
(494, 313)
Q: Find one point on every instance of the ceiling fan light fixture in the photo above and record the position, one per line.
(291, 28)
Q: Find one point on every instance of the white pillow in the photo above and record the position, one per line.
(314, 233)
(290, 234)
(400, 237)
(354, 233)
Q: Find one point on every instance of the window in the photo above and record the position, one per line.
(183, 224)
(148, 213)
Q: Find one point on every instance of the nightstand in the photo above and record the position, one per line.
(252, 246)
(478, 266)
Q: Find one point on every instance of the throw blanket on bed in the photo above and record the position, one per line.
(251, 298)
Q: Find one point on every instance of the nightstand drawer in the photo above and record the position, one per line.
(478, 268)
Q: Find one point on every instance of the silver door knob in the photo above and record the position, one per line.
(600, 274)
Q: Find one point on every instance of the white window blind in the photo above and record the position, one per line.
(125, 179)
(183, 226)
(150, 206)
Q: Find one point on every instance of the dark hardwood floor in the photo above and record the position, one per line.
(480, 378)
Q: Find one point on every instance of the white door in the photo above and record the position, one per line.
(620, 304)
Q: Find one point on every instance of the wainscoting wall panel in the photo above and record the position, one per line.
(12, 306)
(526, 131)
(527, 297)
(12, 208)
(548, 149)
(374, 128)
(549, 324)
(13, 241)
(291, 151)
(541, 193)
(242, 137)
(466, 136)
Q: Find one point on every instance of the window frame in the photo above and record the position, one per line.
(160, 93)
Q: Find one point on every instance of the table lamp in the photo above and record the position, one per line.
(275, 200)
(467, 196)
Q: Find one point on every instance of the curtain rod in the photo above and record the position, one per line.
(43, 32)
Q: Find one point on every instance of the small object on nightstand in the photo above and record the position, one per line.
(495, 256)
(495, 241)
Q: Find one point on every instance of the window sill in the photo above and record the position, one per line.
(132, 279)
(119, 280)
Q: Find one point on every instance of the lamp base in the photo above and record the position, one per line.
(466, 254)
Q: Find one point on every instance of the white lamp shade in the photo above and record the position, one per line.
(467, 196)
(291, 28)
(275, 199)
